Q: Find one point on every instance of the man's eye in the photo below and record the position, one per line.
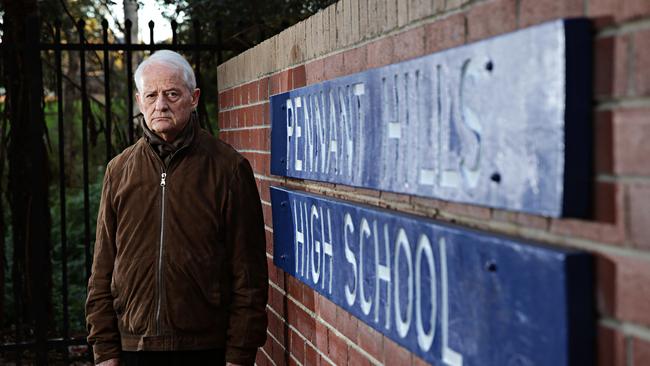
(150, 96)
(172, 94)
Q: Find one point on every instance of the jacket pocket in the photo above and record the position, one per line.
(115, 293)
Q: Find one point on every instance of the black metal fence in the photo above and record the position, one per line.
(25, 347)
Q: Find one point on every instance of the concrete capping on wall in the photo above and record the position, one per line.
(342, 25)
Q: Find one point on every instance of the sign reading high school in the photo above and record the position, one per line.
(502, 122)
(452, 296)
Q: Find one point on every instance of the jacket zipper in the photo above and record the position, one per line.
(163, 184)
(159, 278)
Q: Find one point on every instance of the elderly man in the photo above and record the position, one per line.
(179, 274)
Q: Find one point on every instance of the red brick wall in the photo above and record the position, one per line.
(351, 36)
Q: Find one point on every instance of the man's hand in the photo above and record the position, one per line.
(232, 364)
(111, 362)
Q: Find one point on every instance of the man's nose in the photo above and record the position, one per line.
(161, 103)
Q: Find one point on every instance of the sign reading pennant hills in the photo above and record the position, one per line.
(452, 296)
(502, 122)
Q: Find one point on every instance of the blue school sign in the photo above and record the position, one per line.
(503, 123)
(450, 295)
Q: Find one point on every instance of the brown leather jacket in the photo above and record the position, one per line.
(180, 257)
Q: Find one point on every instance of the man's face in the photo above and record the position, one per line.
(165, 101)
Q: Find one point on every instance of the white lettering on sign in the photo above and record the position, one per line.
(408, 289)
(317, 122)
(327, 129)
(308, 250)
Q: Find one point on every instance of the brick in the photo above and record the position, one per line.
(355, 358)
(445, 33)
(504, 216)
(375, 17)
(236, 96)
(395, 354)
(611, 347)
(402, 12)
(306, 325)
(631, 132)
(326, 309)
(419, 9)
(337, 350)
(333, 30)
(274, 84)
(277, 301)
(276, 326)
(641, 352)
(298, 77)
(491, 18)
(641, 62)
(354, 21)
(314, 72)
(628, 296)
(297, 346)
(285, 81)
(535, 11)
(346, 323)
(389, 197)
(268, 346)
(391, 16)
(601, 230)
(359, 191)
(364, 18)
(603, 142)
(453, 4)
(325, 362)
(320, 337)
(532, 221)
(380, 52)
(264, 88)
(269, 250)
(638, 198)
(619, 11)
(607, 204)
(261, 359)
(342, 24)
(409, 44)
(253, 92)
(294, 288)
(355, 60)
(279, 356)
(370, 341)
(333, 66)
(478, 212)
(611, 56)
(311, 356)
(309, 298)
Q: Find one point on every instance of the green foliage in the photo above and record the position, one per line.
(76, 260)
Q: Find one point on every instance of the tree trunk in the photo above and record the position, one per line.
(131, 13)
(28, 173)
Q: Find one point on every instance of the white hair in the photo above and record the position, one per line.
(170, 59)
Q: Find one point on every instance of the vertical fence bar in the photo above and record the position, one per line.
(129, 80)
(203, 114)
(62, 200)
(174, 35)
(107, 94)
(84, 133)
(151, 42)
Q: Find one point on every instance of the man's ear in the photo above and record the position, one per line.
(138, 101)
(195, 97)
